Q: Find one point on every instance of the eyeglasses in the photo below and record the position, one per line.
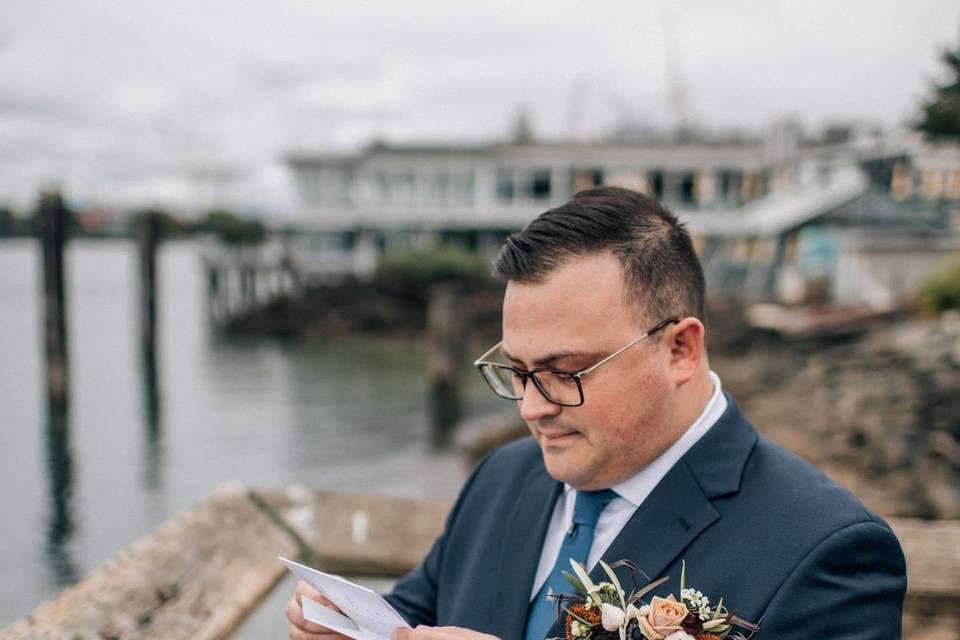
(558, 386)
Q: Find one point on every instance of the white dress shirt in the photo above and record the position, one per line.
(631, 493)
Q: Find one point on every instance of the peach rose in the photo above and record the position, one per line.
(664, 618)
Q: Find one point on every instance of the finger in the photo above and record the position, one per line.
(294, 613)
(306, 589)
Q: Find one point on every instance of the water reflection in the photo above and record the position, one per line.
(152, 413)
(61, 525)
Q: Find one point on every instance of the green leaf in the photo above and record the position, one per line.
(573, 580)
(586, 581)
(616, 583)
(718, 610)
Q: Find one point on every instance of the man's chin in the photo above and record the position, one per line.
(564, 464)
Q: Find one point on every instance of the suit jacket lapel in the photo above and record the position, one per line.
(671, 517)
(525, 530)
(679, 508)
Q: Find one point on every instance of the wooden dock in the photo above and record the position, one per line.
(205, 570)
(201, 573)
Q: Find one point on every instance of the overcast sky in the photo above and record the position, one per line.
(121, 101)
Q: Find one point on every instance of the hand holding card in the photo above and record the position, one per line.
(366, 616)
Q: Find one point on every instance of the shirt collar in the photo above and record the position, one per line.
(636, 489)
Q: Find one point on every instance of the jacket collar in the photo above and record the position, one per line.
(679, 508)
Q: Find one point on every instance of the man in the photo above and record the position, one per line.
(604, 351)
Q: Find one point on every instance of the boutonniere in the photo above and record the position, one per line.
(603, 611)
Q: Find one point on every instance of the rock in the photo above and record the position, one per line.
(881, 414)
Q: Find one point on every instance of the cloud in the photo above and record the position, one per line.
(125, 98)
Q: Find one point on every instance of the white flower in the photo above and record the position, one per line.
(644, 610)
(611, 617)
(679, 635)
(632, 612)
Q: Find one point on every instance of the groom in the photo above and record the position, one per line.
(636, 454)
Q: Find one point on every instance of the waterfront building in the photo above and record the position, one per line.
(775, 216)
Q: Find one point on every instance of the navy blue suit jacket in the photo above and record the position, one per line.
(756, 524)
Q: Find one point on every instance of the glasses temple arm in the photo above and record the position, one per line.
(487, 353)
(621, 350)
(612, 355)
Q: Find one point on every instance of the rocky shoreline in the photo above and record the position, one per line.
(880, 414)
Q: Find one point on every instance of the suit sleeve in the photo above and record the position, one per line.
(849, 587)
(415, 595)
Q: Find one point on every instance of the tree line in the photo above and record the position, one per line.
(229, 227)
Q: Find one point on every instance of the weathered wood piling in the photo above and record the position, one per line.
(54, 219)
(148, 236)
(445, 354)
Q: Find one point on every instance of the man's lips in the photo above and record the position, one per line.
(554, 437)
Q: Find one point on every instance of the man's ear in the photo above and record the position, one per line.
(686, 344)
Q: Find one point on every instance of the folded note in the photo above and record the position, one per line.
(366, 616)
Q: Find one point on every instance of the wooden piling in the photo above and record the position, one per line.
(445, 349)
(148, 240)
(54, 219)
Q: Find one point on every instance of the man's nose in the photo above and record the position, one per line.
(535, 406)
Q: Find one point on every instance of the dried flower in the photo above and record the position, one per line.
(605, 615)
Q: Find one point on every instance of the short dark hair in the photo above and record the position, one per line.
(662, 272)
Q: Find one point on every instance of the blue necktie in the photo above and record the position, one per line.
(576, 545)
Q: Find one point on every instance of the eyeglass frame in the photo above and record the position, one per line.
(576, 376)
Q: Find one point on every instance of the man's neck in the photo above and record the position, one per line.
(693, 397)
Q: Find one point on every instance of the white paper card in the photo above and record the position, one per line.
(371, 616)
(316, 612)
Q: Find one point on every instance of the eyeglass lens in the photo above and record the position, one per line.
(557, 387)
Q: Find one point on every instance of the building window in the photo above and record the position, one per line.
(505, 191)
(655, 180)
(729, 186)
(523, 185)
(687, 194)
(587, 179)
(450, 188)
(540, 184)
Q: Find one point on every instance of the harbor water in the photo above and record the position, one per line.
(340, 415)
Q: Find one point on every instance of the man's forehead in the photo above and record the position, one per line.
(541, 329)
(537, 357)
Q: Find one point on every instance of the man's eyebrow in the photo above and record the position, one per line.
(547, 359)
